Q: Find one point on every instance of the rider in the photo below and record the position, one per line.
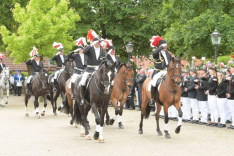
(161, 61)
(80, 60)
(113, 58)
(36, 65)
(1, 65)
(95, 55)
(60, 59)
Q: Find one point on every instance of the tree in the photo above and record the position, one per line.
(40, 24)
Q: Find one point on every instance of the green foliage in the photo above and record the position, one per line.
(224, 59)
(40, 24)
(25, 74)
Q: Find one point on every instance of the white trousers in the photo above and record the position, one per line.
(204, 110)
(172, 112)
(195, 108)
(231, 108)
(214, 113)
(156, 76)
(29, 79)
(186, 108)
(74, 77)
(162, 111)
(228, 113)
(221, 102)
(56, 73)
(208, 103)
(137, 96)
(84, 78)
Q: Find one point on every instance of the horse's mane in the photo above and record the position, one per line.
(122, 64)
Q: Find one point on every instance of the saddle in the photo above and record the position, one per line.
(158, 84)
(59, 74)
(87, 96)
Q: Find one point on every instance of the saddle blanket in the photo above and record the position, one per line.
(59, 74)
(153, 82)
(149, 86)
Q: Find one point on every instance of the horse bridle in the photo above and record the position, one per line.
(124, 80)
(175, 75)
(43, 82)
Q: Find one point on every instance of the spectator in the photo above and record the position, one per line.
(15, 81)
(19, 83)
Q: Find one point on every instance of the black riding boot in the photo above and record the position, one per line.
(27, 88)
(82, 94)
(72, 96)
(55, 85)
(153, 92)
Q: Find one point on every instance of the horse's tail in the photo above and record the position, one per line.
(147, 111)
(66, 107)
(77, 113)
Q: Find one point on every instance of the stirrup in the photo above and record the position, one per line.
(82, 102)
(54, 89)
(151, 103)
(27, 91)
(73, 96)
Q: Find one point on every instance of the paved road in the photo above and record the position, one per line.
(52, 135)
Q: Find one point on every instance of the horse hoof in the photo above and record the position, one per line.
(71, 122)
(82, 134)
(75, 126)
(26, 115)
(101, 140)
(160, 133)
(69, 115)
(59, 109)
(112, 122)
(38, 116)
(2, 105)
(140, 132)
(96, 135)
(177, 130)
(55, 114)
(167, 136)
(107, 122)
(88, 126)
(6, 102)
(88, 137)
(43, 114)
(121, 126)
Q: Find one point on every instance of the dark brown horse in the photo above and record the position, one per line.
(39, 88)
(121, 88)
(64, 76)
(97, 96)
(169, 94)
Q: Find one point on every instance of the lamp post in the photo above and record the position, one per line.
(216, 38)
(129, 48)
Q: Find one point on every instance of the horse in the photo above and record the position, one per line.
(39, 88)
(121, 88)
(64, 76)
(169, 93)
(4, 84)
(98, 94)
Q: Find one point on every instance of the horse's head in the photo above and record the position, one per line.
(107, 72)
(68, 67)
(43, 76)
(6, 73)
(174, 70)
(128, 74)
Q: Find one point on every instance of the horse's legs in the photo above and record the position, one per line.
(97, 119)
(107, 118)
(45, 104)
(52, 101)
(36, 105)
(103, 111)
(157, 119)
(2, 98)
(87, 109)
(26, 97)
(120, 116)
(178, 107)
(115, 104)
(166, 119)
(7, 91)
(55, 102)
(83, 124)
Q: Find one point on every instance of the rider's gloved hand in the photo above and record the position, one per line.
(96, 68)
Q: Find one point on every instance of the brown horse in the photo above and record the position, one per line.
(169, 93)
(65, 75)
(39, 88)
(121, 88)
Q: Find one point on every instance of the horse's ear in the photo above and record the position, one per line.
(124, 64)
(173, 59)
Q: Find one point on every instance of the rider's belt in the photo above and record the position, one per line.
(91, 66)
(78, 69)
(36, 72)
(160, 69)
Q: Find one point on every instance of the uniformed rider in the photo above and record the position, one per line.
(113, 58)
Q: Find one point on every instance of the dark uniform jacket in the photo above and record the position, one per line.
(35, 67)
(230, 91)
(140, 79)
(201, 96)
(221, 90)
(192, 92)
(92, 60)
(108, 57)
(1, 67)
(78, 61)
(213, 84)
(58, 61)
(184, 84)
(160, 64)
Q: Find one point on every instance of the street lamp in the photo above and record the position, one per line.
(216, 38)
(129, 48)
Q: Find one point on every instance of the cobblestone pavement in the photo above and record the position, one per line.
(52, 135)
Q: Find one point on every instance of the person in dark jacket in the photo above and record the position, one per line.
(113, 58)
(15, 81)
(221, 97)
(36, 65)
(192, 94)
(201, 96)
(212, 100)
(19, 82)
(186, 108)
(230, 95)
(140, 80)
(60, 60)
(95, 55)
(2, 65)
